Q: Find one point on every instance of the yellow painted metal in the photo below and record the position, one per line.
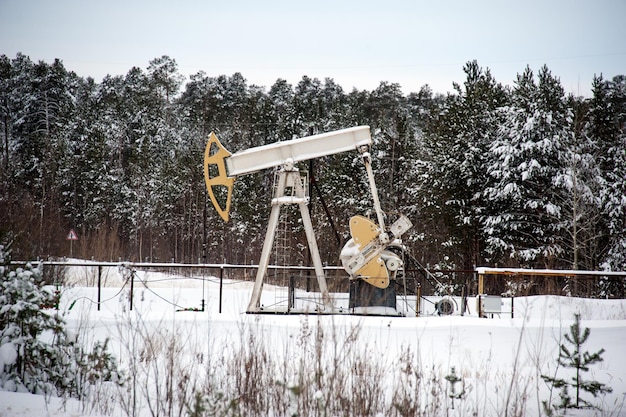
(215, 175)
(364, 232)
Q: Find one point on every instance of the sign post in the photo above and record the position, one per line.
(72, 236)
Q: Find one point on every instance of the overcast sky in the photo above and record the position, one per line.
(357, 43)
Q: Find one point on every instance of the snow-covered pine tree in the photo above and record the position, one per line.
(527, 158)
(612, 142)
(280, 111)
(36, 353)
(455, 159)
(394, 147)
(580, 181)
(30, 362)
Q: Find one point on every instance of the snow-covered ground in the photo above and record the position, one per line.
(499, 359)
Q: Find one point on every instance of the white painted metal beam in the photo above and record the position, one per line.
(296, 150)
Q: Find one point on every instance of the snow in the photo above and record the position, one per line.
(8, 354)
(484, 352)
(19, 404)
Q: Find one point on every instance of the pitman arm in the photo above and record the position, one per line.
(367, 161)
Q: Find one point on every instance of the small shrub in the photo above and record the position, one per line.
(573, 357)
(43, 358)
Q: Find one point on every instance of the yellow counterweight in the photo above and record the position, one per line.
(218, 183)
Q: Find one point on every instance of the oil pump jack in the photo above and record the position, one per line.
(367, 257)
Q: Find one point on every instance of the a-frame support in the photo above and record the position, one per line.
(289, 177)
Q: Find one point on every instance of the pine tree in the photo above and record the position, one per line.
(527, 158)
(38, 356)
(581, 211)
(36, 365)
(455, 160)
(573, 357)
(613, 151)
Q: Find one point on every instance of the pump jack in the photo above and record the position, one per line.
(365, 257)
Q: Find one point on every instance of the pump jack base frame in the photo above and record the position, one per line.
(289, 178)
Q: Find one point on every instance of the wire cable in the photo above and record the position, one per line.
(145, 284)
(101, 301)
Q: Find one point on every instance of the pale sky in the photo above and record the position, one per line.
(358, 43)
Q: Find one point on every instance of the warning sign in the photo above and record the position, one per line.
(72, 235)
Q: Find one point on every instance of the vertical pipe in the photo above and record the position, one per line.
(512, 307)
(132, 284)
(463, 299)
(99, 284)
(291, 293)
(221, 287)
(203, 293)
(417, 300)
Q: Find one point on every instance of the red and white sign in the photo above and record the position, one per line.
(72, 235)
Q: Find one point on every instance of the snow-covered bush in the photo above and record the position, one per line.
(36, 354)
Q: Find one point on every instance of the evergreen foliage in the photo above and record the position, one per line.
(489, 175)
(453, 165)
(37, 353)
(572, 356)
(527, 157)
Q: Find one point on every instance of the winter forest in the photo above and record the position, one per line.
(518, 174)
